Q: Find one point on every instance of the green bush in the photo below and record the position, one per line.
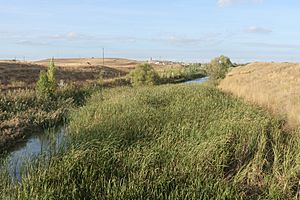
(144, 75)
(42, 85)
(218, 67)
(46, 84)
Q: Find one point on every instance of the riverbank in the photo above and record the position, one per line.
(22, 113)
(171, 141)
(275, 86)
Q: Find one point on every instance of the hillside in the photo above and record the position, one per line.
(17, 74)
(274, 85)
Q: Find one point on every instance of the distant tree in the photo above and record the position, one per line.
(46, 85)
(144, 75)
(218, 67)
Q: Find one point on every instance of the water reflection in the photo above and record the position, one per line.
(199, 80)
(45, 143)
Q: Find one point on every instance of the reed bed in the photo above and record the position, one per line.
(167, 142)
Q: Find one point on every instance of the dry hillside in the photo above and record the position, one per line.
(75, 63)
(275, 85)
(16, 74)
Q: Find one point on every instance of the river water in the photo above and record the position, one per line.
(198, 80)
(37, 144)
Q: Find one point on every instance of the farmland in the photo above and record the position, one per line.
(80, 71)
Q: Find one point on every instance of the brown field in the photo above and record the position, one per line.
(274, 85)
(16, 74)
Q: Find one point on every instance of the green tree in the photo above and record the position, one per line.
(144, 75)
(46, 85)
(42, 85)
(218, 67)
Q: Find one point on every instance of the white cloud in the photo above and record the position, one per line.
(258, 30)
(223, 3)
(188, 40)
(31, 43)
(70, 36)
(271, 45)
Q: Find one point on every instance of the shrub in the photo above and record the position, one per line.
(42, 86)
(218, 67)
(144, 75)
(46, 84)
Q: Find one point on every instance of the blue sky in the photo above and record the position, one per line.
(182, 30)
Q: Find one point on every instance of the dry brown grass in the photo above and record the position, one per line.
(15, 74)
(274, 85)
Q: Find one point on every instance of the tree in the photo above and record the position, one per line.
(144, 75)
(218, 67)
(46, 85)
(42, 85)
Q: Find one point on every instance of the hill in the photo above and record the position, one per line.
(17, 74)
(274, 85)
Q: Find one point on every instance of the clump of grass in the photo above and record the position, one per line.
(168, 142)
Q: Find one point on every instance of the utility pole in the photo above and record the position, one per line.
(103, 56)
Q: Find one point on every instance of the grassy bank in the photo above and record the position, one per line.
(272, 85)
(182, 74)
(168, 142)
(22, 112)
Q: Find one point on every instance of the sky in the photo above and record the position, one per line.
(179, 30)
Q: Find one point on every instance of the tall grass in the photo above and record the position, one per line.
(23, 112)
(167, 142)
(272, 85)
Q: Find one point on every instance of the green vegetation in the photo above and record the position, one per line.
(186, 73)
(218, 67)
(46, 85)
(167, 142)
(144, 75)
(23, 112)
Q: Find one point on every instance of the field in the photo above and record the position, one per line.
(17, 74)
(167, 142)
(272, 85)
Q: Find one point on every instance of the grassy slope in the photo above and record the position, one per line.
(274, 85)
(176, 142)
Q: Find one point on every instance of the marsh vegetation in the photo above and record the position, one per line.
(167, 142)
